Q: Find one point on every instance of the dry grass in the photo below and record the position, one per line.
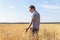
(17, 32)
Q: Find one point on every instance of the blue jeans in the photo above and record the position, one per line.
(34, 30)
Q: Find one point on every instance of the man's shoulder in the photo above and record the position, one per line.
(36, 14)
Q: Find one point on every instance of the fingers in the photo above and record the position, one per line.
(27, 29)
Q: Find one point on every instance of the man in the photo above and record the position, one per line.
(34, 25)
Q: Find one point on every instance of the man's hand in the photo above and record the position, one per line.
(27, 29)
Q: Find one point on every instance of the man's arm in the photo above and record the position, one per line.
(30, 25)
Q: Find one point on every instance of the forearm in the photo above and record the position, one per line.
(30, 25)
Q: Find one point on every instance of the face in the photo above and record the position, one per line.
(31, 10)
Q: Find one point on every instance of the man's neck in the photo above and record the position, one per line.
(34, 11)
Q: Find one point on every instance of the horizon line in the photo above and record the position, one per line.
(28, 22)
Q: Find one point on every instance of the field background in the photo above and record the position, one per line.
(17, 32)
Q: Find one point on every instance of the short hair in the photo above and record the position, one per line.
(32, 7)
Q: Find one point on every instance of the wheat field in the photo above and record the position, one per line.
(17, 32)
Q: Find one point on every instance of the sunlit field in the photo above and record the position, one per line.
(17, 32)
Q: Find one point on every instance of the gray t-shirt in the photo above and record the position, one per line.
(36, 22)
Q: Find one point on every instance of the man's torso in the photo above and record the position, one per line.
(36, 21)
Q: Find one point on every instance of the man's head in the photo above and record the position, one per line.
(32, 8)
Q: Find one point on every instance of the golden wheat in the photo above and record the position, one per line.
(17, 32)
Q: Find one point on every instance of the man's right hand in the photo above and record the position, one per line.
(27, 29)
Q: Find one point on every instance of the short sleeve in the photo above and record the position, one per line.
(34, 16)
